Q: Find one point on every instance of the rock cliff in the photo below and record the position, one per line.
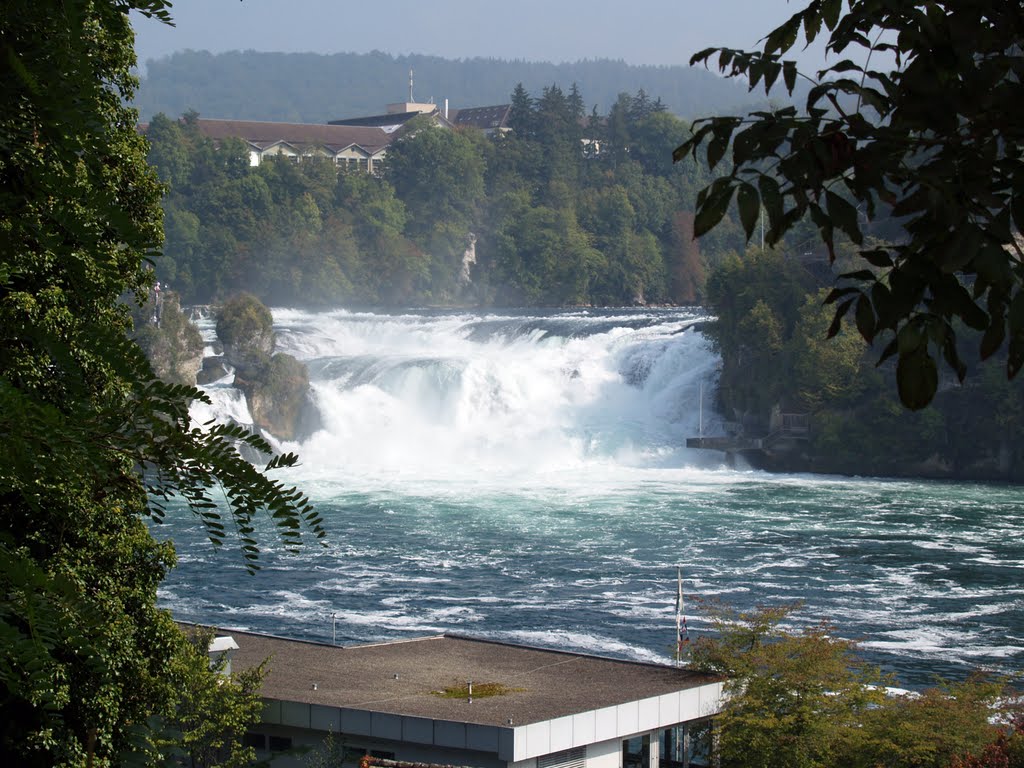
(275, 385)
(169, 339)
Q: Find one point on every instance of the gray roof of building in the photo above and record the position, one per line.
(390, 119)
(482, 117)
(263, 134)
(402, 678)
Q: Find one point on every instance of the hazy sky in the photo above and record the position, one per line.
(638, 31)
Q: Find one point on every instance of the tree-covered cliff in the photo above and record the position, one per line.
(771, 332)
(565, 209)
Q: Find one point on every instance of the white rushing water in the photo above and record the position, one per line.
(523, 476)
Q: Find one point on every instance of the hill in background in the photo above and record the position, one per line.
(315, 88)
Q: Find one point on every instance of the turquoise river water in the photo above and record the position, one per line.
(522, 477)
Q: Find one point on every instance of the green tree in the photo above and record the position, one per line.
(246, 327)
(93, 442)
(438, 173)
(169, 152)
(929, 729)
(826, 372)
(212, 709)
(794, 699)
(520, 118)
(748, 338)
(933, 139)
(618, 131)
(805, 698)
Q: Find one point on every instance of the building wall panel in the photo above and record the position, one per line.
(355, 722)
(584, 728)
(606, 722)
(689, 704)
(711, 699)
(538, 739)
(648, 714)
(668, 709)
(325, 718)
(482, 737)
(560, 734)
(628, 716)
(448, 734)
(605, 754)
(385, 726)
(295, 714)
(418, 730)
(271, 711)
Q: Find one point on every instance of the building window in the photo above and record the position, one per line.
(280, 743)
(569, 758)
(382, 754)
(701, 743)
(254, 740)
(636, 752)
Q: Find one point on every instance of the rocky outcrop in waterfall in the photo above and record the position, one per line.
(275, 385)
(169, 339)
(277, 392)
(246, 329)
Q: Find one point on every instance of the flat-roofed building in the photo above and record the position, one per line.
(531, 707)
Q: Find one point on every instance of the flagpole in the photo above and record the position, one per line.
(679, 615)
(701, 410)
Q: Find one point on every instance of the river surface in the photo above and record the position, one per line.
(523, 477)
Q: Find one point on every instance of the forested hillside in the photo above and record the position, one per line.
(310, 87)
(771, 332)
(534, 217)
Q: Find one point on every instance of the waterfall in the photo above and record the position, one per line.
(468, 260)
(428, 395)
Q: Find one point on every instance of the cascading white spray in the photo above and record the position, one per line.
(461, 395)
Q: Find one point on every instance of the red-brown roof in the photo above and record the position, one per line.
(262, 134)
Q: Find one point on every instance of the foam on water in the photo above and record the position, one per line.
(523, 477)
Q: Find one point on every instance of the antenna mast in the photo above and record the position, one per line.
(410, 85)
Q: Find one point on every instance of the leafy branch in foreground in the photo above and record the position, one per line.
(933, 141)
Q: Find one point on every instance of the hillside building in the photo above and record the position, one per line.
(356, 143)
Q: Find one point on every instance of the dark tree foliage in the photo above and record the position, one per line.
(557, 214)
(520, 117)
(919, 119)
(92, 443)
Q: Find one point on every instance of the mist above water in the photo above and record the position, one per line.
(499, 399)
